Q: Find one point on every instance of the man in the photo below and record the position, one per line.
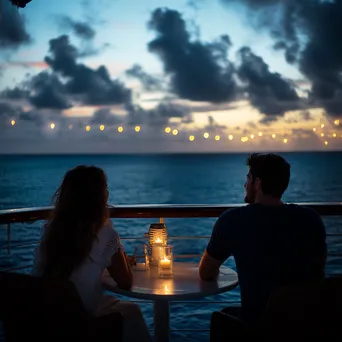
(273, 243)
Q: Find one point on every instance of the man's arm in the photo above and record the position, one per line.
(217, 251)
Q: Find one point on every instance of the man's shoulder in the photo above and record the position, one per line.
(302, 210)
(234, 213)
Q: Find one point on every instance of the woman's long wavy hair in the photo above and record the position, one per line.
(79, 213)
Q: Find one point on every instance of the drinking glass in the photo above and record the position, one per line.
(141, 257)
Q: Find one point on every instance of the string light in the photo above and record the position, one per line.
(314, 129)
(252, 136)
(52, 125)
(285, 141)
(167, 130)
(137, 128)
(120, 129)
(102, 127)
(191, 138)
(334, 135)
(322, 134)
(217, 137)
(13, 122)
(230, 137)
(87, 128)
(260, 134)
(337, 122)
(244, 139)
(273, 136)
(322, 126)
(175, 132)
(326, 143)
(206, 135)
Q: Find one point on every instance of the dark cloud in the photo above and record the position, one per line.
(157, 116)
(81, 29)
(13, 32)
(310, 33)
(267, 91)
(149, 82)
(198, 71)
(104, 116)
(15, 93)
(92, 86)
(48, 92)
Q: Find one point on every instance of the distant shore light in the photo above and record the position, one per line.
(52, 125)
(102, 127)
(285, 141)
(120, 129)
(230, 137)
(13, 122)
(206, 135)
(217, 137)
(175, 132)
(191, 138)
(167, 130)
(87, 128)
(137, 128)
(326, 143)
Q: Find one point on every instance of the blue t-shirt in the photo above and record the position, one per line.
(272, 246)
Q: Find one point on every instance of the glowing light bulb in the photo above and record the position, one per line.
(260, 134)
(273, 136)
(87, 128)
(314, 129)
(52, 125)
(206, 135)
(167, 130)
(322, 134)
(175, 132)
(285, 141)
(102, 127)
(337, 122)
(334, 135)
(326, 143)
(322, 126)
(120, 129)
(252, 136)
(13, 122)
(217, 137)
(191, 138)
(137, 128)
(230, 137)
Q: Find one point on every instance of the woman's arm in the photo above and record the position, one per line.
(120, 270)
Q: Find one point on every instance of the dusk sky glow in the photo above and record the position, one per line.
(127, 76)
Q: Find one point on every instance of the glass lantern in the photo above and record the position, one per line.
(165, 262)
(157, 236)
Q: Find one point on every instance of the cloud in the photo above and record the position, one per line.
(309, 32)
(268, 91)
(158, 116)
(198, 71)
(93, 87)
(81, 29)
(104, 116)
(13, 32)
(150, 83)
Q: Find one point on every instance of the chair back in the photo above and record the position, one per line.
(305, 311)
(41, 309)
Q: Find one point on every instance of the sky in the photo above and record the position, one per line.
(126, 76)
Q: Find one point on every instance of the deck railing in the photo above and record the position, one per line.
(8, 217)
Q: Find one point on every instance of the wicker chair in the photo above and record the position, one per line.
(32, 308)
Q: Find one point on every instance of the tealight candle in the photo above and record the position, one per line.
(165, 262)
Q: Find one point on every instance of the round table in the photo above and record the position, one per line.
(185, 285)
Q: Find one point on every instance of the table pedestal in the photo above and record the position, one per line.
(161, 320)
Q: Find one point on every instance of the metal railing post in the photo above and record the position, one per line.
(8, 238)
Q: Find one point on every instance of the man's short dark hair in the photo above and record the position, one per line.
(273, 171)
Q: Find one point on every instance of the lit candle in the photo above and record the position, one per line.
(165, 263)
(158, 240)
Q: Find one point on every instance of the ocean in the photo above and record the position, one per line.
(30, 181)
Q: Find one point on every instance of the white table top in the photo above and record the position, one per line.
(185, 284)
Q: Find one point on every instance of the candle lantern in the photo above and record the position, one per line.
(165, 262)
(157, 237)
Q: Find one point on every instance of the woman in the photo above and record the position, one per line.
(79, 243)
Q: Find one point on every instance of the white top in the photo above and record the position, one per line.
(87, 277)
(184, 285)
